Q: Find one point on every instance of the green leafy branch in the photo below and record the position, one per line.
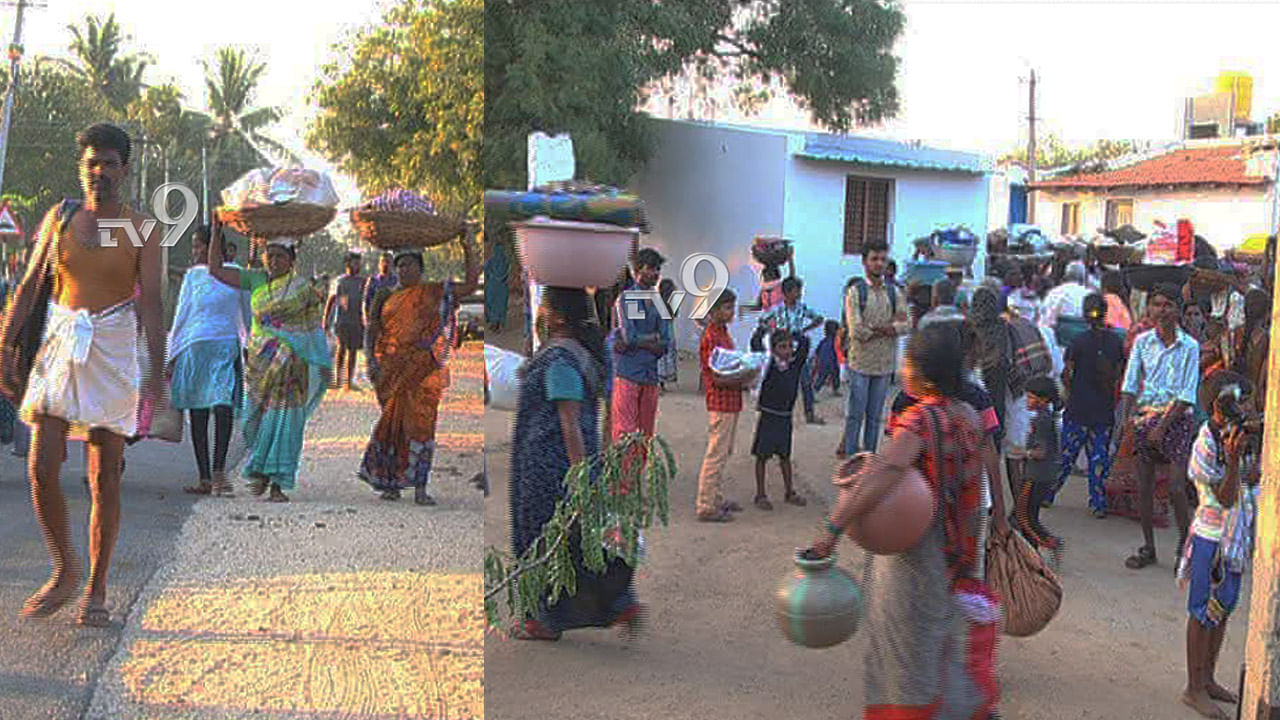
(606, 513)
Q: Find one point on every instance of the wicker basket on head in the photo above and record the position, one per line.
(395, 229)
(268, 221)
(1211, 281)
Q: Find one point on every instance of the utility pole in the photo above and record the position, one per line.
(1031, 154)
(15, 55)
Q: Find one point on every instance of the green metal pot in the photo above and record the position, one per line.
(819, 605)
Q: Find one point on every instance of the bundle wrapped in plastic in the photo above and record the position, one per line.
(575, 202)
(280, 186)
(739, 364)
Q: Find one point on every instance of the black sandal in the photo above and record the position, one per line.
(1145, 556)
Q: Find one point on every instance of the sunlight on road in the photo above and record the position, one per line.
(393, 644)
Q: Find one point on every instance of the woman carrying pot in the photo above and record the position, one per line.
(288, 363)
(410, 333)
(913, 622)
(556, 427)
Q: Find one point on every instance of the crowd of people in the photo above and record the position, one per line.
(86, 356)
(1162, 387)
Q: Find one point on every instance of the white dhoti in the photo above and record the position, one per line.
(87, 371)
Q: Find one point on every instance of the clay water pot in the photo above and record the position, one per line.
(818, 605)
(900, 520)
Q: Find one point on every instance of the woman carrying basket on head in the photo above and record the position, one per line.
(410, 334)
(288, 363)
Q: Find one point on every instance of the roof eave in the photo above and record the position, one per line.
(849, 159)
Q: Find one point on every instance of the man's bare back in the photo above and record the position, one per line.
(91, 276)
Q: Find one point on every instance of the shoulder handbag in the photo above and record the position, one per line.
(31, 333)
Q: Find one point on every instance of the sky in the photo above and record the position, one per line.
(1115, 70)
(293, 37)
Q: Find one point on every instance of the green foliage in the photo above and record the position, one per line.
(583, 68)
(52, 105)
(100, 62)
(608, 523)
(404, 107)
(1052, 153)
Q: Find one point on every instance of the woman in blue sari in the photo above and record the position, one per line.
(288, 363)
(557, 426)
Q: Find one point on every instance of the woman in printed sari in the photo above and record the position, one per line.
(557, 425)
(914, 667)
(410, 333)
(288, 363)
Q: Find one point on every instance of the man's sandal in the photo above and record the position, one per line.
(762, 503)
(93, 614)
(794, 498)
(203, 487)
(1143, 557)
(277, 496)
(258, 485)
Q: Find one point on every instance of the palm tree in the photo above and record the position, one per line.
(99, 62)
(234, 125)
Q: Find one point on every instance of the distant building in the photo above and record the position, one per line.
(712, 188)
(1227, 188)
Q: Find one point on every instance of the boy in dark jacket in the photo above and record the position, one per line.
(777, 406)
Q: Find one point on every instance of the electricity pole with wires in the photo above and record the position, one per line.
(1031, 154)
(15, 55)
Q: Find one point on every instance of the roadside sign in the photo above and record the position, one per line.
(8, 222)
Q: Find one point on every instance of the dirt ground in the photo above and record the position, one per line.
(1115, 651)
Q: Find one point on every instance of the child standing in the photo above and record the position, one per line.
(1218, 547)
(777, 406)
(667, 363)
(1043, 448)
(724, 404)
(827, 364)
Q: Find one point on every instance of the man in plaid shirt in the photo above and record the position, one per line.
(724, 404)
(798, 319)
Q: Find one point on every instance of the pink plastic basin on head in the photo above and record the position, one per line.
(560, 253)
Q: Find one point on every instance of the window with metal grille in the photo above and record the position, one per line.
(866, 212)
(1119, 213)
(1070, 218)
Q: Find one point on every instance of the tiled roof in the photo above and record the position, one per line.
(1220, 165)
(873, 151)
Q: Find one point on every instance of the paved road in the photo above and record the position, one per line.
(48, 668)
(336, 605)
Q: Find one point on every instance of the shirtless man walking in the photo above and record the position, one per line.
(86, 376)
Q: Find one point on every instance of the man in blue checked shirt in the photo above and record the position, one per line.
(799, 320)
(1157, 396)
(637, 345)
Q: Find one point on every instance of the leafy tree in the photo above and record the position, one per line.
(583, 68)
(1053, 154)
(52, 105)
(236, 126)
(100, 62)
(404, 107)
